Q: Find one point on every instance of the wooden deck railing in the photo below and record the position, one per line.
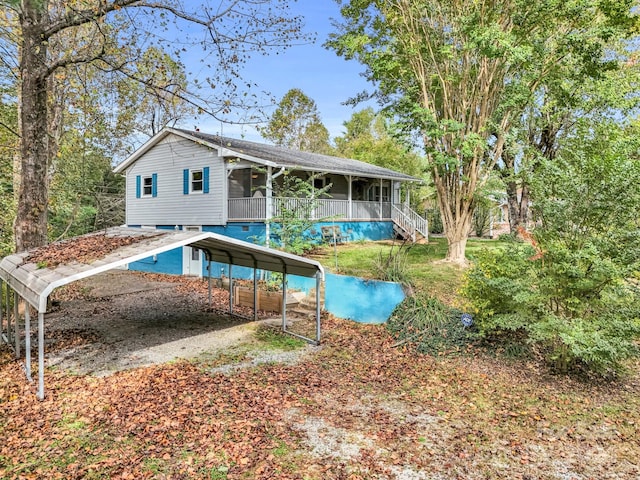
(251, 208)
(247, 208)
(410, 221)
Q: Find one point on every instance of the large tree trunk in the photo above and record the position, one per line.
(31, 218)
(518, 202)
(457, 236)
(456, 211)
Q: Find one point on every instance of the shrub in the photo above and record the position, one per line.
(575, 296)
(571, 320)
(429, 325)
(393, 266)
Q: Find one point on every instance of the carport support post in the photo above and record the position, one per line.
(230, 290)
(16, 301)
(284, 301)
(318, 284)
(255, 293)
(40, 356)
(27, 341)
(7, 308)
(209, 286)
(1, 315)
(16, 334)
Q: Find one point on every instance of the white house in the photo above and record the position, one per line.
(188, 180)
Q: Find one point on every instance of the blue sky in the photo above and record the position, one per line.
(323, 76)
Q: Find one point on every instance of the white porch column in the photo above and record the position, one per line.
(269, 206)
(380, 204)
(350, 205)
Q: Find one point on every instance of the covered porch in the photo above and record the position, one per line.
(253, 195)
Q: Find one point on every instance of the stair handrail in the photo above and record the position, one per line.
(416, 221)
(403, 221)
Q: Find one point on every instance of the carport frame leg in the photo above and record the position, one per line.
(27, 342)
(1, 311)
(16, 334)
(40, 356)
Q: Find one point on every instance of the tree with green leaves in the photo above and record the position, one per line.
(371, 137)
(296, 198)
(574, 292)
(157, 102)
(8, 146)
(599, 91)
(296, 124)
(461, 72)
(48, 37)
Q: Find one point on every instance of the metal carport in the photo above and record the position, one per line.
(33, 282)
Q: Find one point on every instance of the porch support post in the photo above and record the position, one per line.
(268, 206)
(27, 341)
(380, 203)
(40, 356)
(350, 205)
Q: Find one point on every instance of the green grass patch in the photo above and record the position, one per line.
(275, 339)
(423, 268)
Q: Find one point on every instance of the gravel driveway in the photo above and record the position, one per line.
(121, 319)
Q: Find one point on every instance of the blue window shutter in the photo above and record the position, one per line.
(154, 185)
(138, 186)
(185, 181)
(205, 180)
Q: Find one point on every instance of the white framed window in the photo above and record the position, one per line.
(197, 181)
(147, 186)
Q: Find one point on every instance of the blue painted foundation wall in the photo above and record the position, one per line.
(366, 301)
(353, 298)
(253, 232)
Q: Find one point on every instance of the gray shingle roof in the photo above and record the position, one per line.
(298, 160)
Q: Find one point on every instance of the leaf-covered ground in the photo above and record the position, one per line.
(356, 408)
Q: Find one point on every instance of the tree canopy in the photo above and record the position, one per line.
(41, 40)
(296, 124)
(461, 72)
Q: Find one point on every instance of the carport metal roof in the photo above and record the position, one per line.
(34, 281)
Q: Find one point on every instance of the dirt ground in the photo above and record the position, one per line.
(120, 320)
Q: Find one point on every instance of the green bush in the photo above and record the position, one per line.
(575, 297)
(430, 326)
(564, 313)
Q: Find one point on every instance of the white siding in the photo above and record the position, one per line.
(168, 159)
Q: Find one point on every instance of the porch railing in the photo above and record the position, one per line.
(247, 208)
(255, 208)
